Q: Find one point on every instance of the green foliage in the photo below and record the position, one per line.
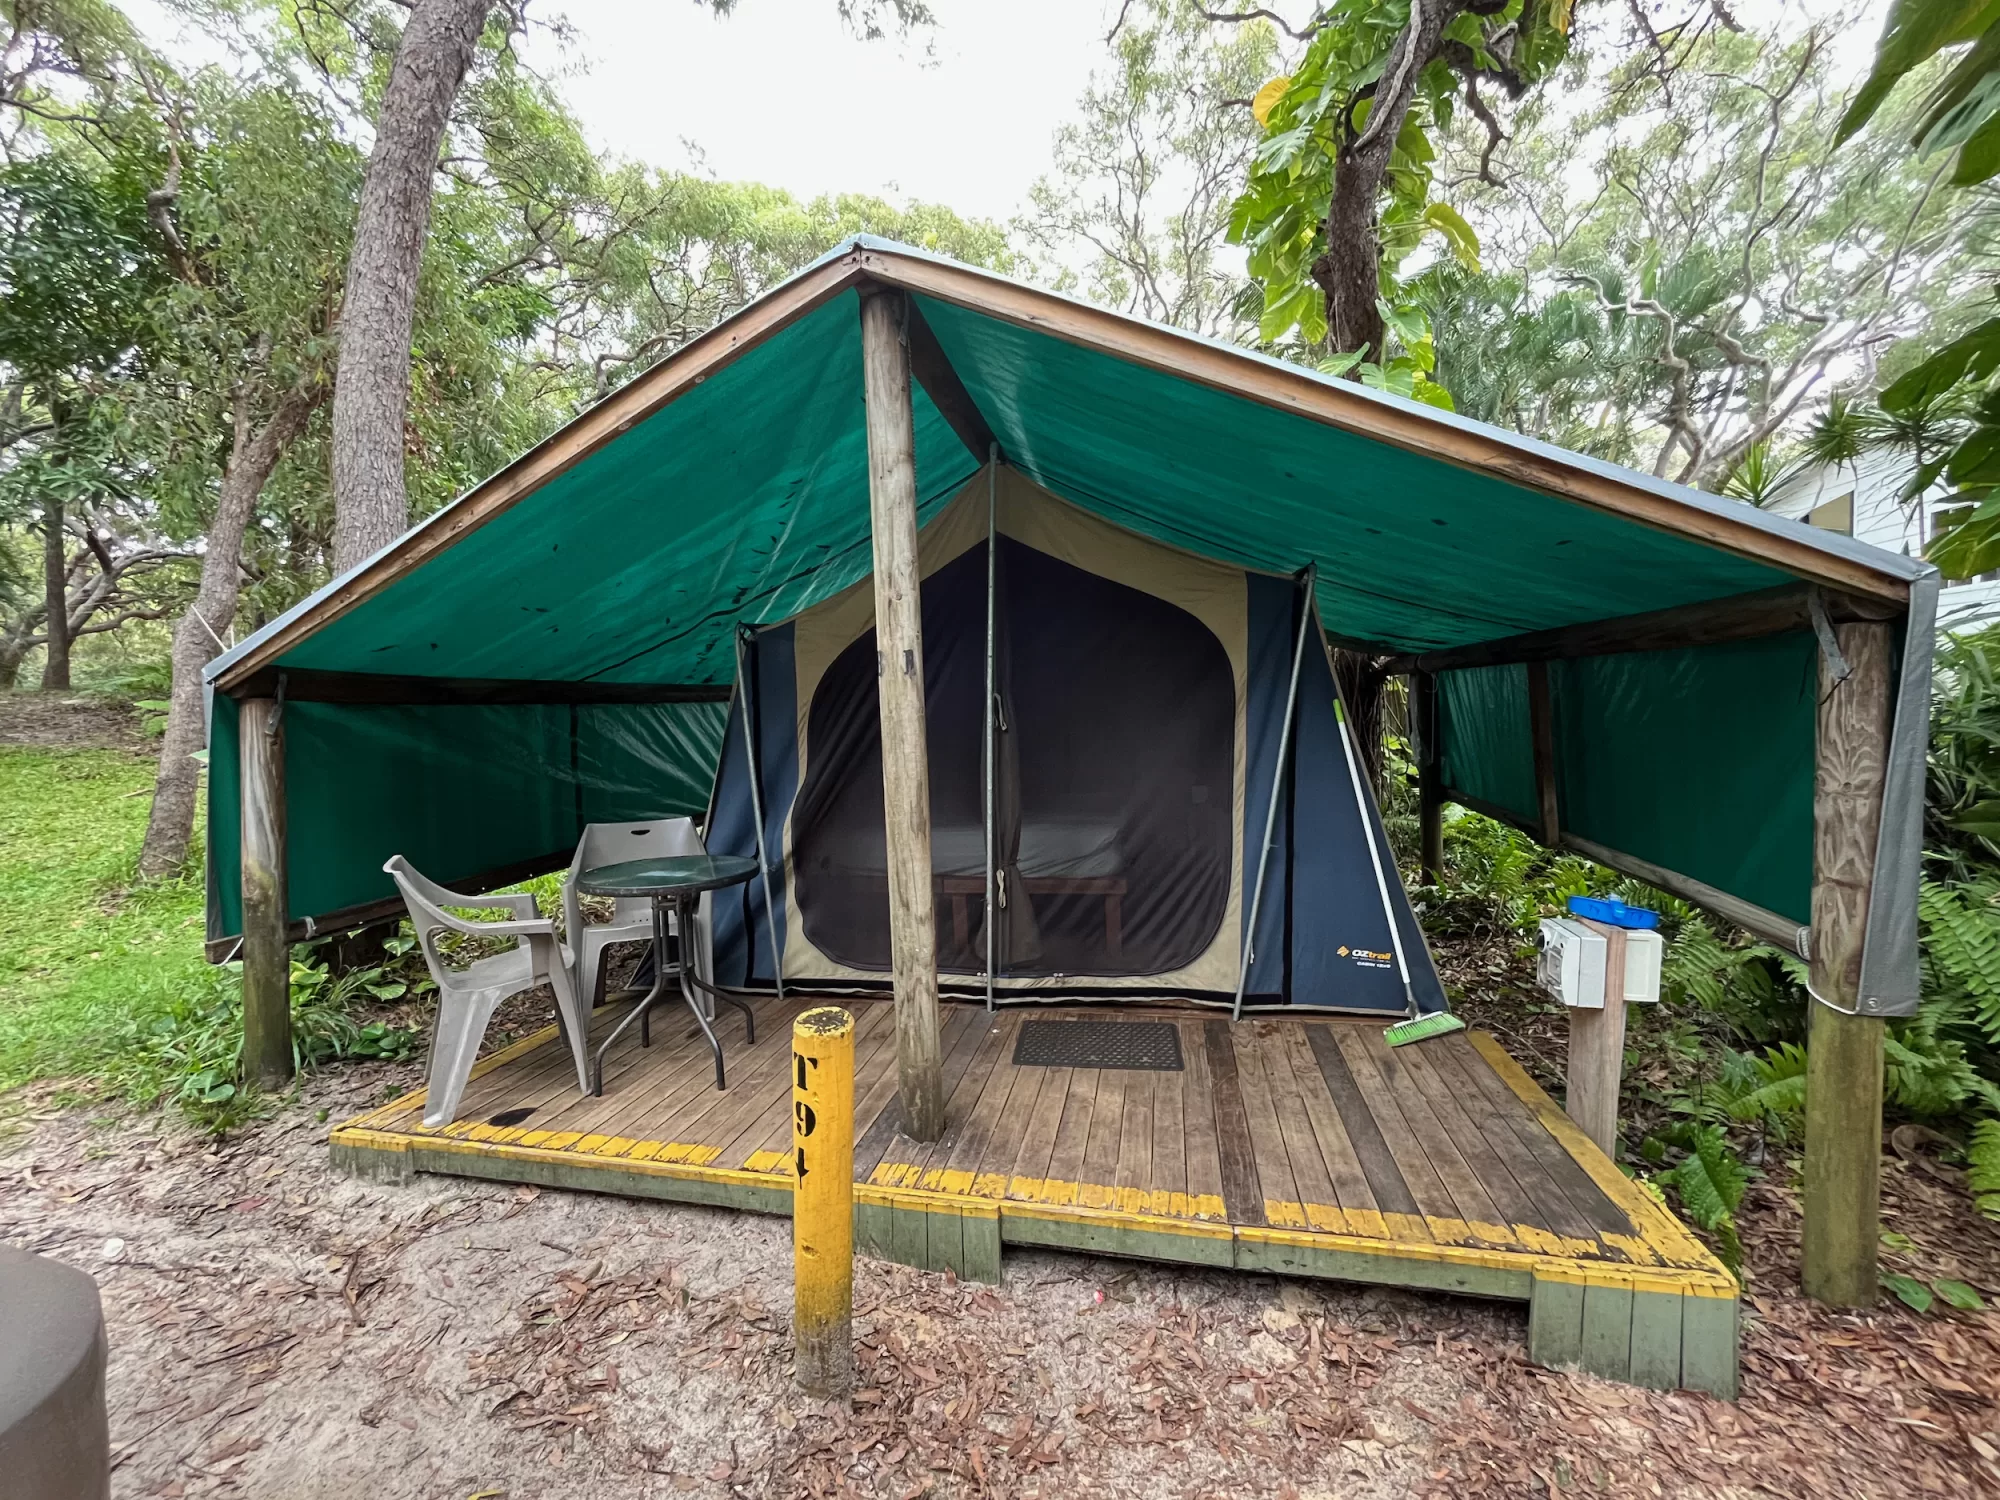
(1318, 115)
(1982, 1166)
(1709, 1180)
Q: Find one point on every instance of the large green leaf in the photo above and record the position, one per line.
(1971, 356)
(1914, 31)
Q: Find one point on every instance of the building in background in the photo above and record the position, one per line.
(1864, 500)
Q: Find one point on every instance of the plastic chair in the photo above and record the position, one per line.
(468, 997)
(632, 920)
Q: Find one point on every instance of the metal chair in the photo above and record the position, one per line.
(468, 997)
(632, 920)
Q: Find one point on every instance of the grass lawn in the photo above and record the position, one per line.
(87, 960)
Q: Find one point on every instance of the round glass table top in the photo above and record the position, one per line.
(680, 874)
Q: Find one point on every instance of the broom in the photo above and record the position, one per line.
(1416, 1027)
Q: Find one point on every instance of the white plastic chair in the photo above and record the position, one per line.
(632, 920)
(468, 997)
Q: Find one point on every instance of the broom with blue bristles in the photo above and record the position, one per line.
(1417, 1027)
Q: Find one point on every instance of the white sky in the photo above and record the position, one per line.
(780, 92)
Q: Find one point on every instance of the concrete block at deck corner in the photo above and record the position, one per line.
(55, 1440)
(1710, 1329)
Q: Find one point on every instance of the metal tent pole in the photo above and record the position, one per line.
(749, 700)
(987, 760)
(1277, 786)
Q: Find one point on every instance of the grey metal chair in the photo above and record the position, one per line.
(632, 919)
(468, 997)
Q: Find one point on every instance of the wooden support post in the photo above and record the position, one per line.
(906, 791)
(1430, 779)
(823, 1201)
(1542, 725)
(1597, 1050)
(267, 956)
(1843, 1172)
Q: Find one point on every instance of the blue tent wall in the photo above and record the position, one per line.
(740, 930)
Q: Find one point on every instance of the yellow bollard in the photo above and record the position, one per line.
(823, 1200)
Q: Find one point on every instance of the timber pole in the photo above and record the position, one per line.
(1430, 779)
(899, 665)
(267, 956)
(1843, 1181)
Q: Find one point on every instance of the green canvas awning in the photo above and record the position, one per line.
(564, 634)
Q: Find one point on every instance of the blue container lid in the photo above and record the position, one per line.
(1611, 910)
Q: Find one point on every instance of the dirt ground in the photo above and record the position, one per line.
(281, 1331)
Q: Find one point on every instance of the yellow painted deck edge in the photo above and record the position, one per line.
(1661, 1229)
(403, 1103)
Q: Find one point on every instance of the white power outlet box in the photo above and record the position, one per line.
(1572, 963)
(1643, 951)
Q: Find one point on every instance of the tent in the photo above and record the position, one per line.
(1146, 735)
(1624, 667)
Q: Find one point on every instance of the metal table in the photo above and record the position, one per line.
(677, 882)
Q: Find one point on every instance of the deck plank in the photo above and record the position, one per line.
(771, 1130)
(1107, 1124)
(1204, 1158)
(1133, 1177)
(1242, 1189)
(1169, 1151)
(1072, 1136)
(878, 1114)
(1473, 1204)
(1319, 1206)
(1424, 1067)
(1388, 1159)
(1038, 1140)
(1604, 1216)
(1351, 1192)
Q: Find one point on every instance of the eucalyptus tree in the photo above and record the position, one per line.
(1135, 214)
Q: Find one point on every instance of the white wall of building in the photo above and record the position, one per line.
(1865, 500)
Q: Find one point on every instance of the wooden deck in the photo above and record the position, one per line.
(1295, 1145)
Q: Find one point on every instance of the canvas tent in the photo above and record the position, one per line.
(1140, 712)
(1620, 665)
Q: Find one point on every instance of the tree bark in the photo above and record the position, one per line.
(55, 585)
(1350, 270)
(378, 311)
(197, 639)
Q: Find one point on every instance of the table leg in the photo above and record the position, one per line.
(685, 917)
(639, 1011)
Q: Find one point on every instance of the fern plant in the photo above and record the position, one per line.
(1982, 1166)
(1709, 1181)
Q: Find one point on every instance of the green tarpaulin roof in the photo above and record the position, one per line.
(729, 484)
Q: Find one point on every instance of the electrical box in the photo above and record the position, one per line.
(1572, 963)
(1643, 951)
(1575, 955)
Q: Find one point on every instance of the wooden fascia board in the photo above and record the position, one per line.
(618, 413)
(312, 685)
(1224, 370)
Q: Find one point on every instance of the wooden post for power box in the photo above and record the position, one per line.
(823, 1200)
(1597, 1049)
(1843, 1183)
(906, 795)
(267, 956)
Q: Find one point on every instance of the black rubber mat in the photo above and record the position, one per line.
(1137, 1046)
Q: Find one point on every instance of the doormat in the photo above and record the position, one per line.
(1137, 1046)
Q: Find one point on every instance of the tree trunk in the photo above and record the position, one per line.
(55, 585)
(197, 637)
(1350, 270)
(378, 310)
